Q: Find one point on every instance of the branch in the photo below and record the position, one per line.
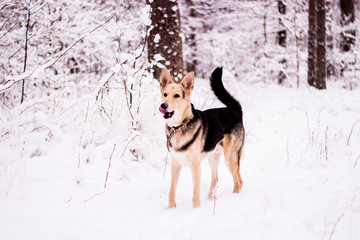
(42, 67)
(337, 221)
(348, 139)
(9, 29)
(215, 200)
(107, 173)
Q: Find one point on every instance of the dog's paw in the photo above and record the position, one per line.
(211, 195)
(196, 203)
(172, 205)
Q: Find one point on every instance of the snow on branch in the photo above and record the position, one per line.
(9, 82)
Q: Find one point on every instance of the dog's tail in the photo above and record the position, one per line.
(221, 93)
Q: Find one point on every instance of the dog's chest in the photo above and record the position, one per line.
(182, 158)
(187, 159)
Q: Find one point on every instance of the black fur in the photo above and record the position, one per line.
(189, 143)
(221, 93)
(218, 121)
(215, 122)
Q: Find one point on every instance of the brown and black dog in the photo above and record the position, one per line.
(193, 135)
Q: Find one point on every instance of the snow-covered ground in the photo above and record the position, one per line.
(301, 169)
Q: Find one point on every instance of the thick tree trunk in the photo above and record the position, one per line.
(320, 46)
(164, 41)
(312, 43)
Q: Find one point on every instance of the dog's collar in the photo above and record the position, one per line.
(176, 129)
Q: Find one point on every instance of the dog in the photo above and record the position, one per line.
(193, 135)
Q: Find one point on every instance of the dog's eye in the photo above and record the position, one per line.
(165, 94)
(176, 96)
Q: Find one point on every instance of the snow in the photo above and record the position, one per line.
(77, 163)
(300, 170)
(157, 38)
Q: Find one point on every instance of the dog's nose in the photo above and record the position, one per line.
(164, 105)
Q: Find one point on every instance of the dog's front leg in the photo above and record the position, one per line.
(196, 174)
(175, 173)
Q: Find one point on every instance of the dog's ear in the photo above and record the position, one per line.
(188, 83)
(165, 79)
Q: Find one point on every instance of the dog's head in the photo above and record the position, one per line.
(175, 97)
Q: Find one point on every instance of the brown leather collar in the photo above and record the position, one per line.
(176, 129)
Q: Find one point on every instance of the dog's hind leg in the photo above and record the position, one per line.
(214, 163)
(175, 173)
(232, 152)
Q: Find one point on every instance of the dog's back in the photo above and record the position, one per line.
(220, 121)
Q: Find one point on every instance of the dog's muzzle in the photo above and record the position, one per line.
(166, 110)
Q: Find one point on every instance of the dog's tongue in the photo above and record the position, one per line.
(162, 110)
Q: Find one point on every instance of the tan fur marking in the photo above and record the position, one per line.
(232, 146)
(196, 175)
(188, 83)
(214, 163)
(175, 173)
(165, 79)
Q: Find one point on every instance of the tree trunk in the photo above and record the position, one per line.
(164, 41)
(191, 40)
(297, 45)
(282, 32)
(330, 66)
(281, 39)
(312, 43)
(320, 46)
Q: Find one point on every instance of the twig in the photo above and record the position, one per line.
(308, 128)
(26, 54)
(326, 144)
(107, 173)
(9, 29)
(348, 139)
(100, 95)
(78, 161)
(127, 144)
(97, 194)
(287, 151)
(356, 161)
(337, 221)
(215, 199)
(80, 39)
(8, 84)
(87, 112)
(166, 160)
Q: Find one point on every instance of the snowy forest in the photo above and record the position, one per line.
(82, 143)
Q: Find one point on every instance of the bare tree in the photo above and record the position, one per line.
(164, 41)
